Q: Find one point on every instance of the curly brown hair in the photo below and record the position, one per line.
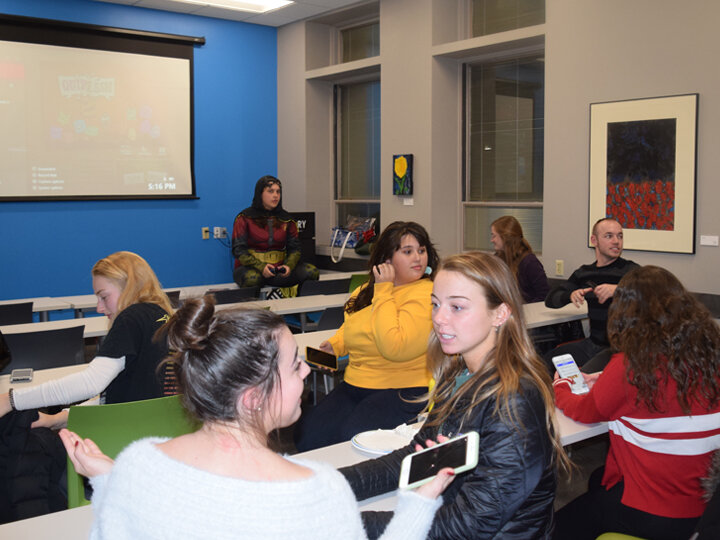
(665, 333)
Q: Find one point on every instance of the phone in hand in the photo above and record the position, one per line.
(321, 358)
(461, 453)
(568, 369)
(21, 375)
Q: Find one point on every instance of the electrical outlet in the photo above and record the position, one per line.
(205, 233)
(219, 232)
(559, 267)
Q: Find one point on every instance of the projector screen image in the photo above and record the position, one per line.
(82, 123)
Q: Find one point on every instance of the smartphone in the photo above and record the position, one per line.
(21, 375)
(568, 369)
(321, 358)
(461, 453)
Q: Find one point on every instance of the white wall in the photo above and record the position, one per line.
(596, 50)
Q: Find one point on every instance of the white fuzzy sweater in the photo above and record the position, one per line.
(150, 495)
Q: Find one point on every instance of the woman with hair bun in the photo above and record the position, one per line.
(513, 248)
(125, 368)
(240, 375)
(661, 398)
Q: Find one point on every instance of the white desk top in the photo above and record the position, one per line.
(40, 376)
(94, 326)
(41, 303)
(536, 314)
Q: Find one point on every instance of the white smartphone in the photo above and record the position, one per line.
(568, 369)
(21, 375)
(460, 453)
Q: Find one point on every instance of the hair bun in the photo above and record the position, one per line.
(190, 326)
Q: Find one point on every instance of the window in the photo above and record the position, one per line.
(357, 150)
(492, 16)
(504, 148)
(361, 41)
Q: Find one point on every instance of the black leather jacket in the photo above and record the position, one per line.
(508, 495)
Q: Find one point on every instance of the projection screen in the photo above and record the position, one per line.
(94, 113)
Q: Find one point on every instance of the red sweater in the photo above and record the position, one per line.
(660, 456)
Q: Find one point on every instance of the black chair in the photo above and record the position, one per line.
(45, 349)
(19, 313)
(331, 318)
(232, 296)
(328, 286)
(310, 288)
(174, 297)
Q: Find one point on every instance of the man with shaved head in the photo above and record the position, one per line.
(595, 284)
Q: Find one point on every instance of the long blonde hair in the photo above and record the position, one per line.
(512, 360)
(135, 279)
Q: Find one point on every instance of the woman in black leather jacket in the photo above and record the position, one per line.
(490, 380)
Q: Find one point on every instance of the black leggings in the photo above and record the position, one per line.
(349, 410)
(600, 510)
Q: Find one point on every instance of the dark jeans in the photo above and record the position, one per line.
(246, 276)
(600, 510)
(349, 410)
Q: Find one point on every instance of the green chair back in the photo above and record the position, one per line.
(113, 427)
(358, 279)
(617, 536)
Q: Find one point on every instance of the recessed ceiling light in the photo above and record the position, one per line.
(259, 6)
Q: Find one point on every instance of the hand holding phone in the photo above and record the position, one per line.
(321, 359)
(568, 369)
(459, 453)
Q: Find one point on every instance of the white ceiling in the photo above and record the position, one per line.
(301, 9)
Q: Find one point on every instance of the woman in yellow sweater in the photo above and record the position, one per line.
(386, 330)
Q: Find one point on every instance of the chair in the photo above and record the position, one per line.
(19, 313)
(329, 286)
(45, 349)
(331, 318)
(358, 279)
(115, 426)
(174, 297)
(232, 296)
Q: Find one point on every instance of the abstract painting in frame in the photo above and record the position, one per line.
(643, 170)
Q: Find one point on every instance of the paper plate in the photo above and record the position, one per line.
(381, 441)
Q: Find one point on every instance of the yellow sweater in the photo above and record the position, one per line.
(387, 341)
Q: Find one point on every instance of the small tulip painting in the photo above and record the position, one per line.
(402, 174)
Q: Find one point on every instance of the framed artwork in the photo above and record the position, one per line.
(643, 170)
(402, 174)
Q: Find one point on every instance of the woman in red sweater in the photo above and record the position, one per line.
(661, 399)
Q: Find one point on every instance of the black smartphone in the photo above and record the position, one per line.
(321, 358)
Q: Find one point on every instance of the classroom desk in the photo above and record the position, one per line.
(536, 314)
(42, 305)
(94, 326)
(40, 376)
(98, 326)
(82, 302)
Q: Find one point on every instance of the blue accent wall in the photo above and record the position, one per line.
(48, 248)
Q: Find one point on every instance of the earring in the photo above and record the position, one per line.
(258, 409)
(497, 329)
